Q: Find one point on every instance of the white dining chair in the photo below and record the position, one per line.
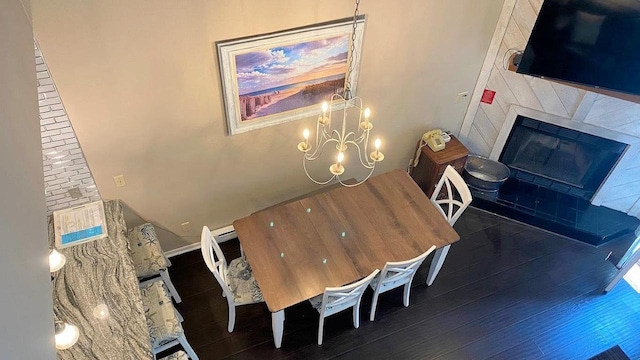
(163, 321)
(180, 355)
(337, 299)
(394, 275)
(457, 199)
(238, 284)
(149, 261)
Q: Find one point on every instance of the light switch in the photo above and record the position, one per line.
(462, 96)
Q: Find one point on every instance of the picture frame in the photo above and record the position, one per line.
(283, 76)
(79, 224)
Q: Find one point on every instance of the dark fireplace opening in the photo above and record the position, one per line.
(555, 172)
(558, 158)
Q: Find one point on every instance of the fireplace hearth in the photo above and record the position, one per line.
(555, 172)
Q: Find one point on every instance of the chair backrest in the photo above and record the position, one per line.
(458, 195)
(395, 274)
(214, 258)
(336, 299)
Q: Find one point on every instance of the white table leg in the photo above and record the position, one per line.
(277, 325)
(436, 263)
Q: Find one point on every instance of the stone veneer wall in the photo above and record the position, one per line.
(65, 167)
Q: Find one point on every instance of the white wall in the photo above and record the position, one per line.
(141, 85)
(26, 308)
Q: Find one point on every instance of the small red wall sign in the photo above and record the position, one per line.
(487, 96)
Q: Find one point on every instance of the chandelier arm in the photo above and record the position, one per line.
(304, 165)
(344, 126)
(321, 141)
(357, 103)
(359, 182)
(325, 134)
(364, 135)
(364, 162)
(318, 135)
(366, 143)
(338, 137)
(333, 98)
(351, 133)
(316, 154)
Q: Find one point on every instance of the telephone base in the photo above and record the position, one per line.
(435, 147)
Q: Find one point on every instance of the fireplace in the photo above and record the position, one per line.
(558, 158)
(555, 173)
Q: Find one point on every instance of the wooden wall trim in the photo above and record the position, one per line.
(487, 66)
(588, 98)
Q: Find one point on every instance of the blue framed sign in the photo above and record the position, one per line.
(79, 224)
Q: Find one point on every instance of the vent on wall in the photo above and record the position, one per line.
(224, 234)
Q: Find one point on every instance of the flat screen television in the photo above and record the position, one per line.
(588, 42)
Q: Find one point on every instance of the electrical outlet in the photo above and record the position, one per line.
(462, 96)
(186, 226)
(75, 193)
(119, 180)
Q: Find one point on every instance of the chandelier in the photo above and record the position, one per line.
(326, 133)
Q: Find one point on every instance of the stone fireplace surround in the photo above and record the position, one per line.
(561, 213)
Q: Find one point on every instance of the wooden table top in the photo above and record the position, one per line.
(387, 218)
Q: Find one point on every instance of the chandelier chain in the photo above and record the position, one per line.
(328, 134)
(353, 46)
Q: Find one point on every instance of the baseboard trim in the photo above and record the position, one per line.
(181, 250)
(221, 235)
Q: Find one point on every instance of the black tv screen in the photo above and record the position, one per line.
(589, 42)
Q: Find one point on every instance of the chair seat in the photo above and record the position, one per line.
(180, 355)
(148, 257)
(316, 302)
(242, 282)
(162, 320)
(385, 286)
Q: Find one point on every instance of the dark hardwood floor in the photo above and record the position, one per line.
(506, 291)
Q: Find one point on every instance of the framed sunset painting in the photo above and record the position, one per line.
(274, 78)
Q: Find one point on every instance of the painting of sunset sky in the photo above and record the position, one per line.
(285, 78)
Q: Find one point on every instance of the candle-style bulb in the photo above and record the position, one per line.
(325, 106)
(337, 168)
(377, 155)
(304, 145)
(366, 125)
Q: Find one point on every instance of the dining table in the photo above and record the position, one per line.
(298, 248)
